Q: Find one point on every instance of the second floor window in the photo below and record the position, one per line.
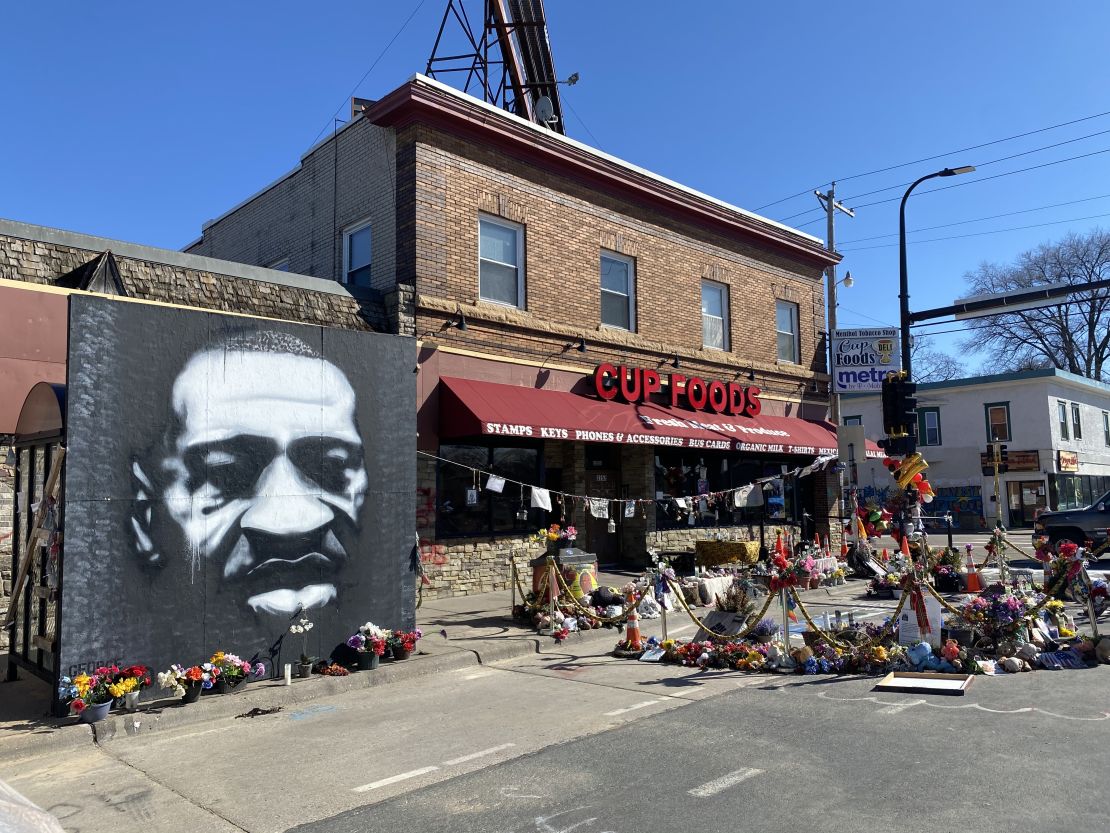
(928, 426)
(1062, 418)
(1106, 428)
(786, 330)
(1076, 422)
(356, 255)
(714, 315)
(998, 422)
(501, 262)
(618, 279)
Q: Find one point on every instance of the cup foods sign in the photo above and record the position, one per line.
(863, 358)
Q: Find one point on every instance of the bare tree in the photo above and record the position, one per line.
(1072, 336)
(931, 364)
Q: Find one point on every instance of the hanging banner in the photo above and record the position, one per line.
(863, 358)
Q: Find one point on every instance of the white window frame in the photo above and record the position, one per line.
(795, 315)
(631, 263)
(1106, 428)
(518, 229)
(726, 341)
(1062, 419)
(347, 233)
(1076, 422)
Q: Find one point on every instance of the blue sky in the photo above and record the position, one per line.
(140, 121)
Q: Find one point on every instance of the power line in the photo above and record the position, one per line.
(597, 144)
(982, 233)
(865, 315)
(986, 178)
(366, 74)
(979, 219)
(995, 314)
(941, 155)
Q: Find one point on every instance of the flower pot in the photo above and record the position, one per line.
(400, 653)
(131, 701)
(94, 714)
(221, 686)
(192, 693)
(814, 582)
(367, 660)
(304, 669)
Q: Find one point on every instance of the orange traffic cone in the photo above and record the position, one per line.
(906, 546)
(843, 547)
(633, 640)
(817, 540)
(974, 584)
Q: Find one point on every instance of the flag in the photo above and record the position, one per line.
(790, 605)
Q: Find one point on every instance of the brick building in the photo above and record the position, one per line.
(526, 260)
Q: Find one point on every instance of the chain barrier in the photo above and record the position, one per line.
(610, 620)
(722, 637)
(537, 605)
(828, 637)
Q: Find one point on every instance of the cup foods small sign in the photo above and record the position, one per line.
(863, 358)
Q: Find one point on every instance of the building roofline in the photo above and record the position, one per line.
(170, 257)
(425, 100)
(1000, 378)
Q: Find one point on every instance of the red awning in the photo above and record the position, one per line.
(469, 409)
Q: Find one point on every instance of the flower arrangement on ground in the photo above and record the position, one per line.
(884, 585)
(233, 669)
(404, 641)
(764, 630)
(86, 690)
(178, 678)
(998, 614)
(301, 628)
(369, 639)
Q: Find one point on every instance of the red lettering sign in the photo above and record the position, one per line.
(638, 384)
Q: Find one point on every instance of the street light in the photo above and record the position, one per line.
(903, 278)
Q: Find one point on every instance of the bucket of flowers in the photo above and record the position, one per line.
(885, 586)
(233, 671)
(128, 684)
(998, 614)
(403, 643)
(370, 643)
(764, 630)
(556, 537)
(88, 695)
(188, 683)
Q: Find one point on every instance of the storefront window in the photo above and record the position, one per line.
(1075, 491)
(689, 474)
(465, 507)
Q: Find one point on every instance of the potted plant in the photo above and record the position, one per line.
(556, 537)
(233, 671)
(128, 683)
(370, 643)
(88, 695)
(765, 630)
(403, 643)
(302, 626)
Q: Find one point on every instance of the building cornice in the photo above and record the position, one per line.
(426, 102)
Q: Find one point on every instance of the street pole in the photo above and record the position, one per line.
(831, 206)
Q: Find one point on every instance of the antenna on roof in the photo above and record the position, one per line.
(545, 112)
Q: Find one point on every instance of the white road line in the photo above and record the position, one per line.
(393, 779)
(473, 755)
(631, 708)
(679, 628)
(900, 707)
(723, 783)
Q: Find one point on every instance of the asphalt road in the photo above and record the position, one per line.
(1020, 753)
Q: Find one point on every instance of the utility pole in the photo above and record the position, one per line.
(831, 206)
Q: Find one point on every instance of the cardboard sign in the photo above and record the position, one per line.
(908, 631)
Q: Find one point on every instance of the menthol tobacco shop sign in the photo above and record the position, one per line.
(863, 358)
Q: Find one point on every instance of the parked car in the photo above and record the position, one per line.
(1091, 523)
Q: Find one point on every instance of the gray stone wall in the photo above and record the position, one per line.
(341, 182)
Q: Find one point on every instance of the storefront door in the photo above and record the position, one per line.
(1024, 499)
(599, 540)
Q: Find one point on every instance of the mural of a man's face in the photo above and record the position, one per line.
(261, 475)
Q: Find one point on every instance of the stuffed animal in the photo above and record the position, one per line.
(1029, 653)
(606, 597)
(951, 650)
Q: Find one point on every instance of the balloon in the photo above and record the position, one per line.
(917, 478)
(927, 498)
(874, 516)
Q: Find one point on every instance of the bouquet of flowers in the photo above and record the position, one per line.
(405, 640)
(996, 614)
(86, 690)
(128, 679)
(235, 670)
(177, 678)
(555, 534)
(764, 629)
(370, 638)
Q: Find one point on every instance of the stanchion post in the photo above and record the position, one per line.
(512, 581)
(785, 621)
(1093, 618)
(948, 525)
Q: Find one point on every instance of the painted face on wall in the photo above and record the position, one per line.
(262, 476)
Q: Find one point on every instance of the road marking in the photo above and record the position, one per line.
(680, 628)
(393, 779)
(481, 754)
(723, 783)
(631, 708)
(900, 707)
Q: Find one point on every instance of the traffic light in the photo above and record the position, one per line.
(1001, 457)
(899, 414)
(898, 446)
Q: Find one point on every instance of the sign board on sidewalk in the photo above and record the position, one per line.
(908, 631)
(862, 358)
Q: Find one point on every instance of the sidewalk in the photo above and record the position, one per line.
(459, 632)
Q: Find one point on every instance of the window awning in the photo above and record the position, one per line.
(470, 408)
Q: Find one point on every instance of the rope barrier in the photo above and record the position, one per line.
(722, 637)
(813, 625)
(611, 620)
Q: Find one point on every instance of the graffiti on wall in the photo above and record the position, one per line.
(253, 470)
